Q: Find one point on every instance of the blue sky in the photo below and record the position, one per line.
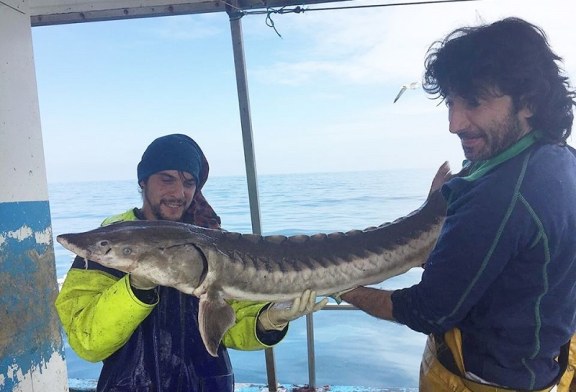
(321, 96)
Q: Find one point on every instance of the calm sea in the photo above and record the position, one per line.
(351, 347)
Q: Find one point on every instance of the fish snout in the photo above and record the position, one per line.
(65, 241)
(75, 243)
(61, 239)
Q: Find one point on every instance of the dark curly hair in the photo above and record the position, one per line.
(512, 57)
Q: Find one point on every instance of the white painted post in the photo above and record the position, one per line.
(31, 348)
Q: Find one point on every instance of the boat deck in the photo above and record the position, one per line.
(76, 385)
(325, 388)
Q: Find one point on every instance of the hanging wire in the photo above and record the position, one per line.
(299, 9)
(390, 5)
(270, 21)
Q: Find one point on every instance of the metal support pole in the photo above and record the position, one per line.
(245, 118)
(249, 156)
(311, 354)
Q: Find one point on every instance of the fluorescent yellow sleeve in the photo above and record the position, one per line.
(98, 312)
(243, 335)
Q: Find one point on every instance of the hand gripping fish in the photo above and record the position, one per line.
(217, 265)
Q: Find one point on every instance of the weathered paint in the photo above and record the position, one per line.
(31, 347)
(30, 340)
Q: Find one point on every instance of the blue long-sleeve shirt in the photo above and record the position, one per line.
(504, 268)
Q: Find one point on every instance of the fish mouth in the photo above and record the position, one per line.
(100, 251)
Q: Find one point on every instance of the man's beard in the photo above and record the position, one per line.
(156, 210)
(508, 134)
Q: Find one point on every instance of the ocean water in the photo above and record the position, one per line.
(351, 348)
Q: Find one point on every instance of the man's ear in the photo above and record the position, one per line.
(525, 108)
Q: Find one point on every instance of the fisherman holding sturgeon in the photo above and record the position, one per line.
(497, 297)
(149, 336)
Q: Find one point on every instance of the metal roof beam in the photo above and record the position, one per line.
(54, 12)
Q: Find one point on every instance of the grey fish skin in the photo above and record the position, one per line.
(217, 265)
(193, 259)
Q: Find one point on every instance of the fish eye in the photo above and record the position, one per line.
(127, 251)
(104, 243)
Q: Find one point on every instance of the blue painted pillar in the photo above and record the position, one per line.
(31, 348)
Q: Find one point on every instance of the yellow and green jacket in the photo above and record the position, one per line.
(149, 344)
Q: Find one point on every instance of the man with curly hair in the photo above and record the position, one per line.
(497, 297)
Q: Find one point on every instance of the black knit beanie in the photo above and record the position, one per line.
(171, 152)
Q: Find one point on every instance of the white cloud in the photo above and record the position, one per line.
(388, 44)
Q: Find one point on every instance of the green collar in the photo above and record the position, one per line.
(478, 169)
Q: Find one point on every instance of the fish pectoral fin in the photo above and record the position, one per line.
(215, 317)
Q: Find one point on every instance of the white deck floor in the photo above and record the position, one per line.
(77, 385)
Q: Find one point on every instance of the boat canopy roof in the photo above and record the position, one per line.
(53, 12)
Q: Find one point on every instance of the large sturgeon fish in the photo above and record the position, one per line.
(217, 265)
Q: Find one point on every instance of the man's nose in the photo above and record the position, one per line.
(179, 189)
(458, 119)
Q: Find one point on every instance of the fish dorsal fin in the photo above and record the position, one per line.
(215, 317)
